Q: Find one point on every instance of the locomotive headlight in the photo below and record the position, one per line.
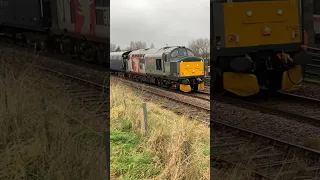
(267, 31)
(280, 12)
(249, 13)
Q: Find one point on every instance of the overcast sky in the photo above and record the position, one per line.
(161, 22)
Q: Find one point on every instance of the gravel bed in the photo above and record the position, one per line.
(310, 110)
(309, 89)
(271, 125)
(170, 94)
(178, 108)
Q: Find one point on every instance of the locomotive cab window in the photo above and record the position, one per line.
(72, 18)
(183, 52)
(102, 3)
(99, 17)
(158, 65)
(174, 53)
(190, 53)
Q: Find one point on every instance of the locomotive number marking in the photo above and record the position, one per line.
(292, 28)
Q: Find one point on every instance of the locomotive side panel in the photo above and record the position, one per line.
(26, 14)
(155, 65)
(87, 18)
(135, 64)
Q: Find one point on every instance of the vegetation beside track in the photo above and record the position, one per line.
(161, 154)
(44, 134)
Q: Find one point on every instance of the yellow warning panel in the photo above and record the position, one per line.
(241, 84)
(201, 86)
(291, 79)
(185, 88)
(191, 69)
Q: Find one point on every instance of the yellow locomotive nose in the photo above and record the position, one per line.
(191, 69)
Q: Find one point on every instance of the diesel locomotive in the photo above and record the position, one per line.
(316, 21)
(76, 27)
(173, 67)
(257, 45)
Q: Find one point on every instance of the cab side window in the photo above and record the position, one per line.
(158, 64)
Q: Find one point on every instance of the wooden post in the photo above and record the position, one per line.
(46, 124)
(146, 126)
(107, 148)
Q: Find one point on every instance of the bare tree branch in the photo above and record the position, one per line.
(201, 47)
(113, 47)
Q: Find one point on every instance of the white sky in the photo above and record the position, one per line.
(161, 22)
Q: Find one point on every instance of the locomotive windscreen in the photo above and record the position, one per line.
(181, 52)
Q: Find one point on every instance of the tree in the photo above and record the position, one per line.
(113, 47)
(152, 46)
(118, 49)
(200, 47)
(137, 45)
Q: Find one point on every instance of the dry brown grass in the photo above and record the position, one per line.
(165, 144)
(44, 135)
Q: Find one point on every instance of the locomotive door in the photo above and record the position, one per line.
(166, 63)
(164, 66)
(142, 64)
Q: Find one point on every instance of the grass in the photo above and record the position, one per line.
(43, 133)
(161, 154)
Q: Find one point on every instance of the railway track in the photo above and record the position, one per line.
(267, 157)
(313, 69)
(92, 95)
(226, 138)
(196, 101)
(298, 108)
(261, 156)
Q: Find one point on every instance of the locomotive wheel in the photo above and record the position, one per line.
(158, 83)
(217, 81)
(100, 56)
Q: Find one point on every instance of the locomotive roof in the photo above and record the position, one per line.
(155, 51)
(117, 53)
(145, 51)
